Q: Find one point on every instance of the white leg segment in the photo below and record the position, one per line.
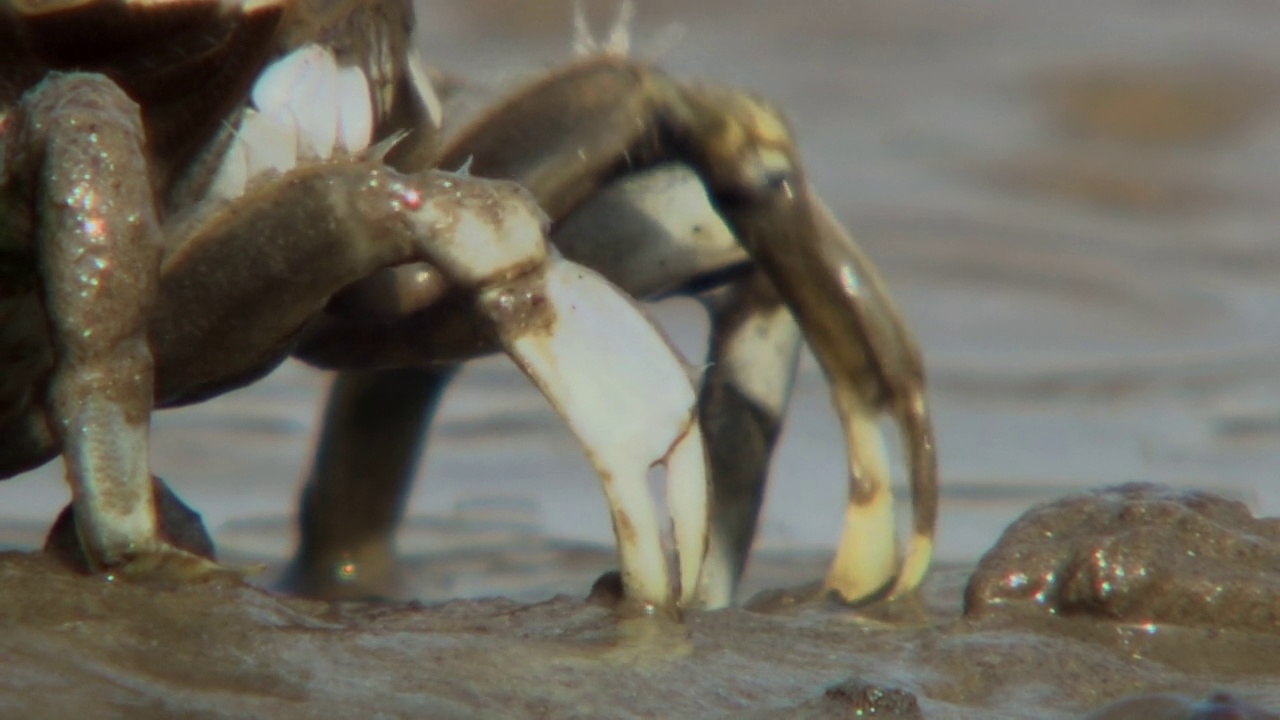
(619, 385)
(866, 559)
(607, 370)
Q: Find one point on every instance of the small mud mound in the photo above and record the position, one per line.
(1139, 554)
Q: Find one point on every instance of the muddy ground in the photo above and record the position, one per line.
(1165, 602)
(1147, 601)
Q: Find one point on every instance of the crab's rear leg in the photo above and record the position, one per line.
(873, 366)
(378, 421)
(78, 148)
(755, 346)
(857, 335)
(894, 384)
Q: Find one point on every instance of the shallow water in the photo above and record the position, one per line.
(1075, 204)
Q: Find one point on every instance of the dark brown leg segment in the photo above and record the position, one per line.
(755, 347)
(374, 431)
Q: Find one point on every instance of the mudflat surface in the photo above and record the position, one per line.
(1057, 622)
(1076, 205)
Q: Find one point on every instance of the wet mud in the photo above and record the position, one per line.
(1198, 638)
(1138, 554)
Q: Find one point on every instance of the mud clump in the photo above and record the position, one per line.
(1220, 706)
(855, 698)
(1137, 553)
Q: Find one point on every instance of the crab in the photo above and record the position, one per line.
(193, 190)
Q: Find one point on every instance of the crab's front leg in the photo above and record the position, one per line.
(608, 372)
(292, 244)
(655, 232)
(76, 156)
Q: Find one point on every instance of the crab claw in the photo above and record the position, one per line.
(616, 381)
(891, 353)
(605, 368)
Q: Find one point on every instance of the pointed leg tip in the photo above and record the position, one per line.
(914, 566)
(688, 503)
(610, 591)
(866, 559)
(178, 526)
(855, 584)
(638, 411)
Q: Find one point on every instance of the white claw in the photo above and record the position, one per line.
(687, 503)
(304, 108)
(269, 145)
(621, 389)
(355, 110)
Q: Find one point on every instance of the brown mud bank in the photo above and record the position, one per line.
(1095, 599)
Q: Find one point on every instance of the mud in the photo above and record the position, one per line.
(73, 645)
(1137, 554)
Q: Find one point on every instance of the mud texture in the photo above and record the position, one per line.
(73, 645)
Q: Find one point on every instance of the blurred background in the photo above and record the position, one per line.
(1076, 205)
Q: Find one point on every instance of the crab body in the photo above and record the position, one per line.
(163, 240)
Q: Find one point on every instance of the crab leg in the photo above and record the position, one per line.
(608, 372)
(593, 143)
(625, 115)
(899, 381)
(98, 251)
(755, 347)
(600, 363)
(873, 365)
(663, 236)
(653, 231)
(378, 420)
